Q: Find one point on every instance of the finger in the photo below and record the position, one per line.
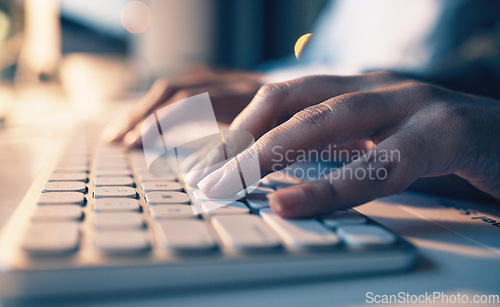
(161, 91)
(214, 155)
(275, 103)
(335, 121)
(227, 101)
(201, 163)
(386, 170)
(135, 136)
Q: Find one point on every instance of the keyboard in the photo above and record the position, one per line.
(97, 221)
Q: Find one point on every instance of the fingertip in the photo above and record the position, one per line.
(112, 134)
(290, 202)
(132, 139)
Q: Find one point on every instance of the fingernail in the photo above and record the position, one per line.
(194, 176)
(109, 135)
(223, 183)
(287, 200)
(274, 203)
(209, 181)
(130, 138)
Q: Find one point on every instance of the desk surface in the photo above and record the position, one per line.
(450, 261)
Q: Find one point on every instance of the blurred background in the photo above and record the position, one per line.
(157, 37)
(88, 51)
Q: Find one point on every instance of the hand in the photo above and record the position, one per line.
(435, 131)
(229, 92)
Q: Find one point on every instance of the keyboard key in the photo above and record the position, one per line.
(116, 204)
(114, 181)
(101, 192)
(65, 186)
(185, 236)
(200, 196)
(244, 233)
(340, 218)
(112, 154)
(72, 169)
(261, 191)
(161, 186)
(79, 176)
(147, 177)
(51, 238)
(103, 167)
(138, 161)
(118, 220)
(258, 203)
(359, 236)
(155, 198)
(300, 235)
(279, 180)
(113, 173)
(171, 212)
(127, 241)
(115, 160)
(76, 198)
(111, 161)
(222, 208)
(57, 213)
(75, 162)
(110, 148)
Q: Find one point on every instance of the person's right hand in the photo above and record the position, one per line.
(230, 92)
(434, 131)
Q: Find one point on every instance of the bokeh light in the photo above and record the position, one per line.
(299, 45)
(135, 17)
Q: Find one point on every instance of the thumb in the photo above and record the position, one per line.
(383, 171)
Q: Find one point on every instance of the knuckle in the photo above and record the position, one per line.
(357, 102)
(424, 91)
(183, 94)
(387, 76)
(271, 90)
(324, 187)
(269, 95)
(384, 171)
(314, 116)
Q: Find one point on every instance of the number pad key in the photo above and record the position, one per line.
(127, 241)
(116, 204)
(75, 198)
(161, 186)
(57, 213)
(65, 186)
(359, 236)
(51, 238)
(114, 181)
(101, 192)
(185, 236)
(300, 235)
(244, 233)
(172, 212)
(156, 198)
(118, 220)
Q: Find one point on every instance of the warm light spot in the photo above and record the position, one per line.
(301, 42)
(135, 17)
(4, 26)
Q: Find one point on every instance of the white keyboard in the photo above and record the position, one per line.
(97, 221)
